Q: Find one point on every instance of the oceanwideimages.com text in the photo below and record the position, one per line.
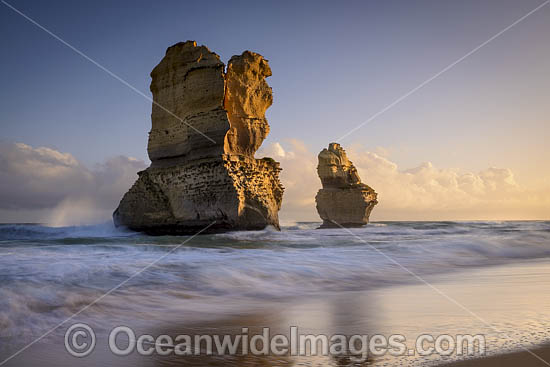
(80, 341)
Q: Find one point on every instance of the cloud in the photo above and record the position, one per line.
(58, 189)
(424, 192)
(299, 177)
(45, 185)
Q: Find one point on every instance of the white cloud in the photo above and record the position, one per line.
(58, 189)
(420, 193)
(43, 184)
(299, 177)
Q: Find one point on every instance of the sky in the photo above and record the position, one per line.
(470, 144)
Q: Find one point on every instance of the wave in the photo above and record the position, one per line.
(42, 232)
(47, 272)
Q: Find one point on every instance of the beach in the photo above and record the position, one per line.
(436, 278)
(511, 359)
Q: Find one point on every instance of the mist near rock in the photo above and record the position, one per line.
(48, 186)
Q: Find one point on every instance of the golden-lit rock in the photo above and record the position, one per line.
(343, 200)
(206, 126)
(247, 98)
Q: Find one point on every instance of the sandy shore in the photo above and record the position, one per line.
(513, 298)
(523, 359)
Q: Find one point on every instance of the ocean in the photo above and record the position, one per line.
(388, 277)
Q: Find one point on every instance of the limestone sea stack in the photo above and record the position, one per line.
(343, 200)
(207, 123)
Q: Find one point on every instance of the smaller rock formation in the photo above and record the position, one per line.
(343, 198)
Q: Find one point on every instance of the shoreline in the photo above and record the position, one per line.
(284, 281)
(512, 359)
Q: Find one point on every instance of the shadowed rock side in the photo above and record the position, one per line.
(206, 126)
(343, 198)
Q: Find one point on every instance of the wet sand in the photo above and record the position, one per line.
(513, 299)
(523, 359)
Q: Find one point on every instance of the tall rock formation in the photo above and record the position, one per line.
(207, 123)
(343, 198)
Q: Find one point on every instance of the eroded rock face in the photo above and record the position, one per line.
(247, 98)
(343, 198)
(206, 127)
(188, 87)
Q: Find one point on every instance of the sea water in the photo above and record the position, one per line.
(380, 274)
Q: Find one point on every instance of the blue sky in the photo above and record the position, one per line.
(334, 65)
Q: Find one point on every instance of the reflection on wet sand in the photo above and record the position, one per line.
(514, 299)
(330, 316)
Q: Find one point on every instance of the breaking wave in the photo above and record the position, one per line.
(47, 273)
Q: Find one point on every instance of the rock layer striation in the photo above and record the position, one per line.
(343, 200)
(207, 124)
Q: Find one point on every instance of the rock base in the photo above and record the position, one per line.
(234, 193)
(348, 207)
